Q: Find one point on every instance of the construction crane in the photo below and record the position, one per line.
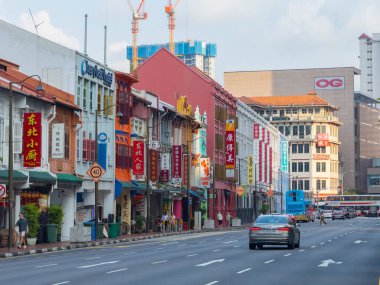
(137, 15)
(170, 10)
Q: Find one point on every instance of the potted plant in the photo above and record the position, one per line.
(32, 213)
(140, 220)
(55, 213)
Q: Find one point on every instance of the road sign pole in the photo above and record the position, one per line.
(96, 182)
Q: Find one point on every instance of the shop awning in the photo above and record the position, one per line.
(194, 193)
(41, 177)
(64, 178)
(17, 176)
(141, 186)
(129, 185)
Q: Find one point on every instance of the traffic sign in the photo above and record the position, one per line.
(270, 192)
(96, 172)
(3, 191)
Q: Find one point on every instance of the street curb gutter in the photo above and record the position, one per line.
(108, 242)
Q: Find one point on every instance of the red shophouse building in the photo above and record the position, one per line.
(169, 78)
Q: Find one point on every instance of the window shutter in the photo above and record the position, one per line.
(92, 150)
(84, 152)
(17, 138)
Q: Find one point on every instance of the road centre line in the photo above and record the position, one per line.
(60, 283)
(98, 264)
(236, 245)
(90, 258)
(118, 270)
(158, 248)
(214, 282)
(269, 261)
(301, 250)
(313, 246)
(216, 250)
(289, 254)
(182, 244)
(170, 243)
(231, 241)
(329, 240)
(47, 265)
(161, 261)
(190, 255)
(244, 270)
(322, 243)
(130, 252)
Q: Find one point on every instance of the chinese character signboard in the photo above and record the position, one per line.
(270, 165)
(322, 140)
(230, 144)
(250, 170)
(284, 156)
(261, 161)
(165, 161)
(32, 140)
(256, 131)
(205, 172)
(153, 165)
(185, 168)
(164, 176)
(58, 141)
(177, 161)
(138, 157)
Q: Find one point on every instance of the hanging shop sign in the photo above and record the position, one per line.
(32, 140)
(322, 140)
(138, 157)
(165, 161)
(256, 131)
(177, 161)
(164, 175)
(250, 170)
(58, 141)
(284, 156)
(230, 144)
(205, 172)
(185, 168)
(153, 156)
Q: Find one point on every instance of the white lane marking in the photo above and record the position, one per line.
(47, 265)
(329, 240)
(64, 282)
(236, 245)
(289, 254)
(325, 263)
(218, 238)
(231, 241)
(170, 243)
(90, 258)
(360, 241)
(216, 250)
(118, 270)
(158, 248)
(269, 261)
(182, 244)
(313, 246)
(301, 250)
(203, 241)
(335, 237)
(210, 262)
(132, 252)
(161, 261)
(322, 243)
(98, 264)
(190, 255)
(213, 282)
(244, 270)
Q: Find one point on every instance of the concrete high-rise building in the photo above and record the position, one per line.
(194, 53)
(370, 65)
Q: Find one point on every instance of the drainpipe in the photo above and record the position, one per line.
(47, 139)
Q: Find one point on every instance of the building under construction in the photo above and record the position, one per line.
(193, 53)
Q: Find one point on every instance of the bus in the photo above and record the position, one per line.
(366, 204)
(300, 204)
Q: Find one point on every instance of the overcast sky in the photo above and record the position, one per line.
(250, 34)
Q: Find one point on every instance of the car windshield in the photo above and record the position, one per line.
(338, 212)
(271, 220)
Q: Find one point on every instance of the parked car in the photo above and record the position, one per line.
(352, 213)
(338, 214)
(274, 230)
(372, 213)
(327, 214)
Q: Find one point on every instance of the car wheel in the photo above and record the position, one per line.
(298, 243)
(252, 246)
(291, 245)
(343, 219)
(333, 219)
(260, 246)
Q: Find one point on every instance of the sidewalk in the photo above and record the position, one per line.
(67, 245)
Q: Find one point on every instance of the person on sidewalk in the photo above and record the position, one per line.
(228, 217)
(322, 219)
(220, 219)
(43, 220)
(172, 222)
(22, 225)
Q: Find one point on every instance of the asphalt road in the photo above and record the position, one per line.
(341, 252)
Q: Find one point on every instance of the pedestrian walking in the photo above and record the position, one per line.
(43, 220)
(322, 219)
(228, 217)
(220, 219)
(165, 221)
(172, 222)
(22, 225)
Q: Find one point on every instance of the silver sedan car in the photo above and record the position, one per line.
(274, 230)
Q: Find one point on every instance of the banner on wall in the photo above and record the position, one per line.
(322, 140)
(205, 172)
(153, 156)
(177, 161)
(58, 141)
(230, 144)
(256, 131)
(32, 140)
(284, 156)
(250, 170)
(138, 157)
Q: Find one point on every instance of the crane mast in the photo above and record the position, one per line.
(137, 15)
(170, 11)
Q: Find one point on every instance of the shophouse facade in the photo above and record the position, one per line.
(312, 128)
(171, 80)
(261, 179)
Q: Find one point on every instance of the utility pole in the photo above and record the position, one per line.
(255, 195)
(10, 167)
(147, 176)
(281, 191)
(188, 184)
(96, 182)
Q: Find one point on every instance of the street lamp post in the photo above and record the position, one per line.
(147, 176)
(39, 88)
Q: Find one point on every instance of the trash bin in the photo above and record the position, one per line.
(112, 230)
(52, 232)
(100, 229)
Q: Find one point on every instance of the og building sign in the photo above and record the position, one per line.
(329, 83)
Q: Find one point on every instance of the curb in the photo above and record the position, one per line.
(108, 242)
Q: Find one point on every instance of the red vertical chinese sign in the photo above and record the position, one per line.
(177, 161)
(138, 157)
(153, 165)
(256, 131)
(230, 144)
(32, 140)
